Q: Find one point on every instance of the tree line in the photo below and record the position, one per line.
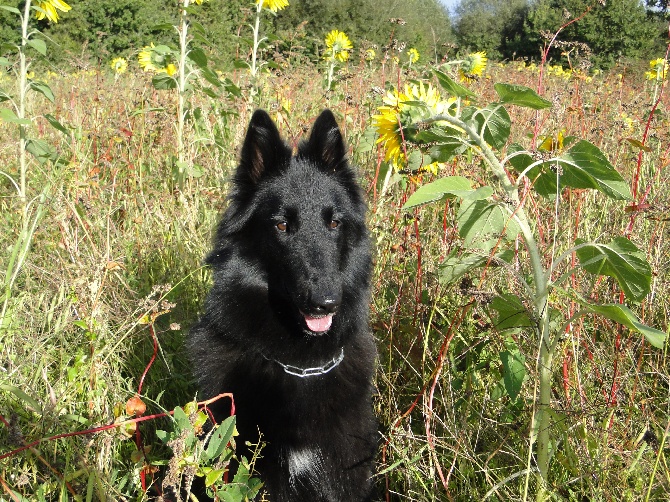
(604, 31)
(505, 29)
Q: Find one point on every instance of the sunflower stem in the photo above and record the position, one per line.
(541, 421)
(331, 69)
(254, 50)
(23, 89)
(183, 50)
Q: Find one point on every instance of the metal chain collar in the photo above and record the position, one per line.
(308, 372)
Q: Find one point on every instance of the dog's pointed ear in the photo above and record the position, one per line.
(263, 149)
(325, 145)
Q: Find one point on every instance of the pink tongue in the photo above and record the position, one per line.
(319, 324)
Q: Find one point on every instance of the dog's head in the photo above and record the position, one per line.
(301, 221)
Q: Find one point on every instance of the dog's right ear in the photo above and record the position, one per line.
(263, 149)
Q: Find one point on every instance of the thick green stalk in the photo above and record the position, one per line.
(23, 89)
(183, 49)
(331, 70)
(542, 418)
(254, 51)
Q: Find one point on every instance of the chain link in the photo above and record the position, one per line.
(307, 372)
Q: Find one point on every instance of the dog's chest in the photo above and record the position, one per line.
(305, 466)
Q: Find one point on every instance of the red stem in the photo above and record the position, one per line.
(201, 405)
(638, 170)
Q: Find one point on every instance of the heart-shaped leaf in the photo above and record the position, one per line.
(450, 186)
(456, 264)
(585, 166)
(511, 312)
(619, 259)
(623, 315)
(492, 122)
(481, 224)
(514, 369)
(449, 85)
(521, 95)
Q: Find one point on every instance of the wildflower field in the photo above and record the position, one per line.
(521, 287)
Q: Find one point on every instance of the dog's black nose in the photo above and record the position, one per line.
(324, 304)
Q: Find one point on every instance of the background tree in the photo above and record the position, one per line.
(494, 26)
(618, 29)
(107, 28)
(662, 6)
(610, 31)
(426, 22)
(504, 29)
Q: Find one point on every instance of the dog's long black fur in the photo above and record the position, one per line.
(285, 327)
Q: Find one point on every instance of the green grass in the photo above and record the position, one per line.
(119, 236)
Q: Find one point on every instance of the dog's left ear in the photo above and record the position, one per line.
(325, 146)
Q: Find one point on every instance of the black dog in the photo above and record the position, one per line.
(285, 327)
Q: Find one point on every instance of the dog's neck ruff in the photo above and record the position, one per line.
(309, 372)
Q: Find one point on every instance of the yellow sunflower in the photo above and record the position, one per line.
(50, 8)
(157, 59)
(199, 2)
(389, 131)
(119, 65)
(473, 66)
(144, 58)
(413, 55)
(273, 5)
(396, 116)
(659, 70)
(338, 45)
(370, 54)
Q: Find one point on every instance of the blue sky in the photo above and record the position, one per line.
(450, 4)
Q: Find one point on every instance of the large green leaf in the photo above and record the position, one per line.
(39, 45)
(9, 116)
(198, 56)
(585, 166)
(623, 315)
(457, 264)
(220, 438)
(43, 89)
(446, 142)
(13, 10)
(492, 122)
(450, 186)
(482, 223)
(56, 124)
(210, 76)
(511, 313)
(619, 259)
(544, 183)
(514, 369)
(439, 133)
(521, 95)
(42, 150)
(231, 88)
(582, 166)
(163, 82)
(449, 85)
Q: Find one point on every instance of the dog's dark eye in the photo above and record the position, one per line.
(333, 224)
(282, 226)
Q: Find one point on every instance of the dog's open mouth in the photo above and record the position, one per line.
(318, 324)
